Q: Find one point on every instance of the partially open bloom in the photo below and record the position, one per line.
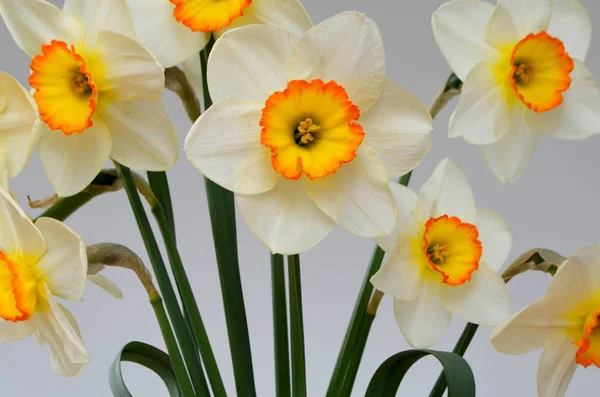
(564, 323)
(97, 90)
(39, 262)
(176, 30)
(307, 130)
(522, 67)
(443, 257)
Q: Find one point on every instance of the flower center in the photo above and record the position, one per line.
(310, 128)
(64, 91)
(452, 248)
(208, 15)
(540, 71)
(589, 344)
(20, 291)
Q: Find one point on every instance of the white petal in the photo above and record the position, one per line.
(98, 15)
(501, 29)
(193, 72)
(424, 320)
(285, 219)
(13, 332)
(578, 278)
(459, 28)
(399, 128)
(482, 111)
(400, 274)
(250, 63)
(18, 235)
(556, 368)
(17, 118)
(289, 15)
(529, 16)
(351, 197)
(348, 49)
(73, 161)
(106, 284)
(483, 300)
(446, 192)
(36, 22)
(131, 73)
(578, 117)
(64, 264)
(143, 137)
(157, 29)
(406, 200)
(508, 157)
(495, 238)
(571, 23)
(530, 329)
(224, 145)
(56, 327)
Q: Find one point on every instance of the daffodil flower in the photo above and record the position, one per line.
(97, 90)
(307, 131)
(522, 67)
(176, 30)
(39, 262)
(564, 323)
(443, 258)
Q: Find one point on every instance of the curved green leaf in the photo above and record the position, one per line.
(147, 356)
(386, 380)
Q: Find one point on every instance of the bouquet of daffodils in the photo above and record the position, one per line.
(298, 126)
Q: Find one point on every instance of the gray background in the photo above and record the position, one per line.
(553, 205)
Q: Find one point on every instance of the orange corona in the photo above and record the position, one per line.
(208, 15)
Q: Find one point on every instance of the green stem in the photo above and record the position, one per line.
(180, 326)
(190, 306)
(356, 354)
(159, 184)
(297, 328)
(280, 328)
(183, 380)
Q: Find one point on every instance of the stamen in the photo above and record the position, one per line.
(522, 73)
(305, 131)
(80, 84)
(438, 253)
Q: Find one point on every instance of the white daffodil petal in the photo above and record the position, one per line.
(578, 116)
(578, 277)
(285, 219)
(131, 73)
(501, 29)
(495, 238)
(530, 329)
(98, 15)
(36, 22)
(250, 63)
(459, 28)
(64, 264)
(482, 111)
(571, 23)
(13, 332)
(337, 49)
(168, 39)
(424, 320)
(556, 368)
(143, 137)
(106, 284)
(17, 119)
(446, 192)
(224, 145)
(360, 204)
(400, 274)
(289, 15)
(18, 235)
(399, 128)
(193, 72)
(406, 200)
(482, 300)
(529, 16)
(73, 161)
(508, 157)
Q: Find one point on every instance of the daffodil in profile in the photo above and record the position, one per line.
(522, 67)
(443, 258)
(38, 263)
(97, 90)
(565, 323)
(307, 130)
